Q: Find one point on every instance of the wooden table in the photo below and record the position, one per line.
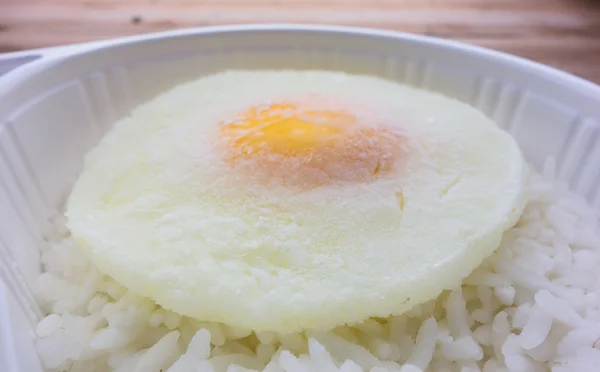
(561, 33)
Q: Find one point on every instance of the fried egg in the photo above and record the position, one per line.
(292, 200)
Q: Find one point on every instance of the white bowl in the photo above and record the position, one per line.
(57, 107)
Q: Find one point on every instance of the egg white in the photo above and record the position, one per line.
(159, 210)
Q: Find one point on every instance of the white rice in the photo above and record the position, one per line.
(533, 306)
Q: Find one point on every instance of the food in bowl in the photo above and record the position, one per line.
(293, 200)
(312, 220)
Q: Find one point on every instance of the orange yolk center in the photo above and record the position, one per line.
(309, 141)
(286, 129)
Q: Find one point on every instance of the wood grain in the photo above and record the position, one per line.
(561, 33)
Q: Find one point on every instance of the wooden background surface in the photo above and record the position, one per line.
(561, 33)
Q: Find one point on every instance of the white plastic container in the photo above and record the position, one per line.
(56, 108)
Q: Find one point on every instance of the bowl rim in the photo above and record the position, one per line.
(51, 57)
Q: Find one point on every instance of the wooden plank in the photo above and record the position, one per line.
(561, 33)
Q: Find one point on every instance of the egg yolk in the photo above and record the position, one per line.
(316, 143)
(286, 129)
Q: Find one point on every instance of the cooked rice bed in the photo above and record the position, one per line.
(533, 306)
